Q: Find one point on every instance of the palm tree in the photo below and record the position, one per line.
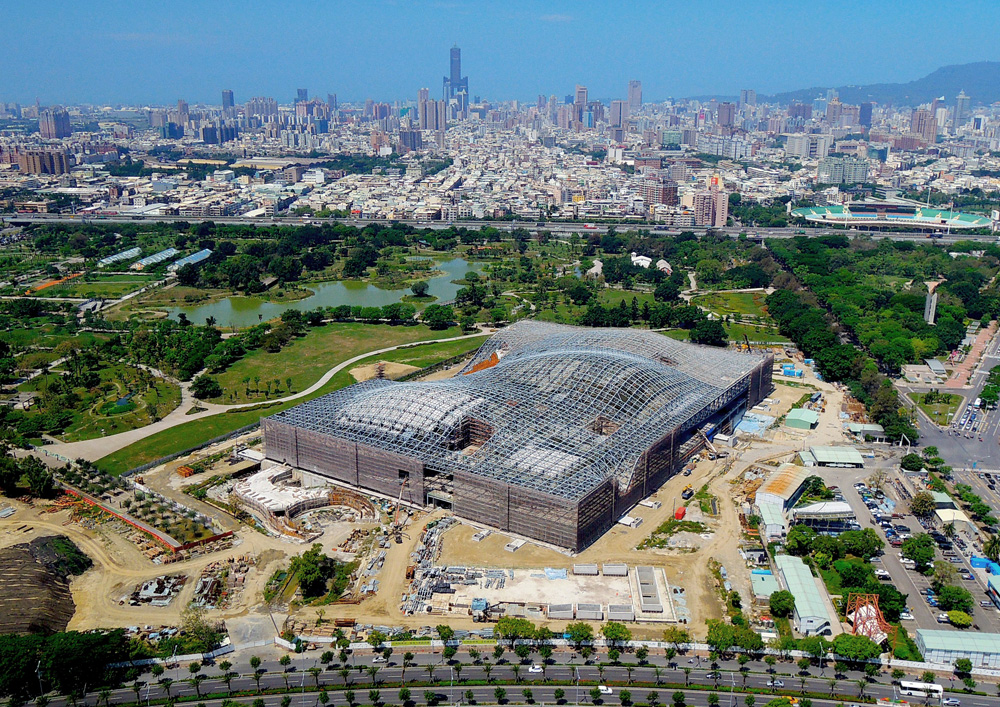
(802, 684)
(687, 677)
(629, 669)
(516, 669)
(197, 680)
(345, 674)
(991, 548)
(832, 682)
(658, 672)
(43, 701)
(373, 673)
(105, 695)
(487, 668)
(458, 671)
(949, 530)
(136, 688)
(861, 687)
(407, 662)
(166, 683)
(430, 672)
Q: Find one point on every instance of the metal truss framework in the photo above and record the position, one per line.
(552, 408)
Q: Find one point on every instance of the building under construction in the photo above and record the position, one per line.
(551, 432)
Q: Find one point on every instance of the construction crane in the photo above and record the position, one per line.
(397, 530)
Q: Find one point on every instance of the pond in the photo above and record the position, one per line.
(247, 311)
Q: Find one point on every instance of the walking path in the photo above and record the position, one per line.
(93, 449)
(963, 371)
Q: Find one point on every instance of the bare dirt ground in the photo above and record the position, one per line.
(390, 369)
(445, 373)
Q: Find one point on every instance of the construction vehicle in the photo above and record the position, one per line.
(687, 493)
(396, 530)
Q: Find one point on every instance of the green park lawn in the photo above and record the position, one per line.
(195, 432)
(733, 303)
(307, 358)
(942, 407)
(761, 334)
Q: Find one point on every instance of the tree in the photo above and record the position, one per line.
(205, 387)
(912, 462)
(709, 332)
(922, 504)
(438, 317)
(529, 696)
(855, 649)
(963, 667)
(404, 695)
(678, 699)
(227, 676)
(955, 599)
(445, 633)
(676, 635)
(500, 694)
(782, 603)
(580, 633)
(920, 549)
(991, 548)
(559, 694)
(255, 666)
(419, 288)
(625, 696)
(617, 633)
(641, 654)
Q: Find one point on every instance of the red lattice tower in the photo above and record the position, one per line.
(868, 620)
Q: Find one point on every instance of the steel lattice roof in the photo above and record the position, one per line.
(540, 388)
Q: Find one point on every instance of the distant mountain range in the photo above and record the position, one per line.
(980, 80)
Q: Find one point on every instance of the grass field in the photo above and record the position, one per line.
(307, 358)
(197, 432)
(105, 286)
(942, 408)
(761, 334)
(733, 303)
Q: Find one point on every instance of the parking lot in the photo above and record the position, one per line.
(921, 608)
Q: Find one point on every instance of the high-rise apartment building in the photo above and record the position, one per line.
(424, 94)
(634, 95)
(43, 162)
(800, 110)
(227, 101)
(659, 190)
(331, 102)
(842, 170)
(262, 106)
(301, 95)
(711, 206)
(53, 124)
(802, 145)
(727, 114)
(619, 114)
(748, 97)
(924, 124)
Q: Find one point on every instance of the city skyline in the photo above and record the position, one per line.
(514, 52)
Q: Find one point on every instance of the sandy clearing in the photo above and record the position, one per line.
(390, 369)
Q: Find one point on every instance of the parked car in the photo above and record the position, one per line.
(906, 616)
(942, 618)
(985, 603)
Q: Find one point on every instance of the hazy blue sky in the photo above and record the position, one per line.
(141, 51)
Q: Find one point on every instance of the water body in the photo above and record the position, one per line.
(247, 311)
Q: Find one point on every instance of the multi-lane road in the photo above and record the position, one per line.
(532, 226)
(449, 682)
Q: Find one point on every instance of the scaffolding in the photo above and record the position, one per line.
(543, 408)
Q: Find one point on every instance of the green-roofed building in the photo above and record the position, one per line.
(814, 614)
(842, 457)
(802, 419)
(983, 649)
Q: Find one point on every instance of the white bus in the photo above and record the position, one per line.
(921, 689)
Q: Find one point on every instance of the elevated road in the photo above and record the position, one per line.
(556, 227)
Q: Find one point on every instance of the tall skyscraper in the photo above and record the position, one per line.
(865, 114)
(455, 85)
(331, 102)
(963, 104)
(634, 95)
(619, 114)
(727, 114)
(423, 94)
(183, 114)
(301, 95)
(227, 102)
(924, 124)
(579, 105)
(748, 97)
(53, 124)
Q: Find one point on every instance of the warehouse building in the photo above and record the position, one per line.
(841, 457)
(802, 419)
(814, 614)
(550, 432)
(945, 647)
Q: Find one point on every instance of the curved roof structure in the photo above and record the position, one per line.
(867, 214)
(554, 408)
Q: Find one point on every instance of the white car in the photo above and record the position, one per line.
(906, 616)
(605, 690)
(535, 669)
(951, 702)
(379, 659)
(775, 683)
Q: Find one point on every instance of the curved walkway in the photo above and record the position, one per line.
(93, 449)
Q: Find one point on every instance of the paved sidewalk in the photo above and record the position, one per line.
(964, 370)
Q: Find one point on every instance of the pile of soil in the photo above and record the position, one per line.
(34, 584)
